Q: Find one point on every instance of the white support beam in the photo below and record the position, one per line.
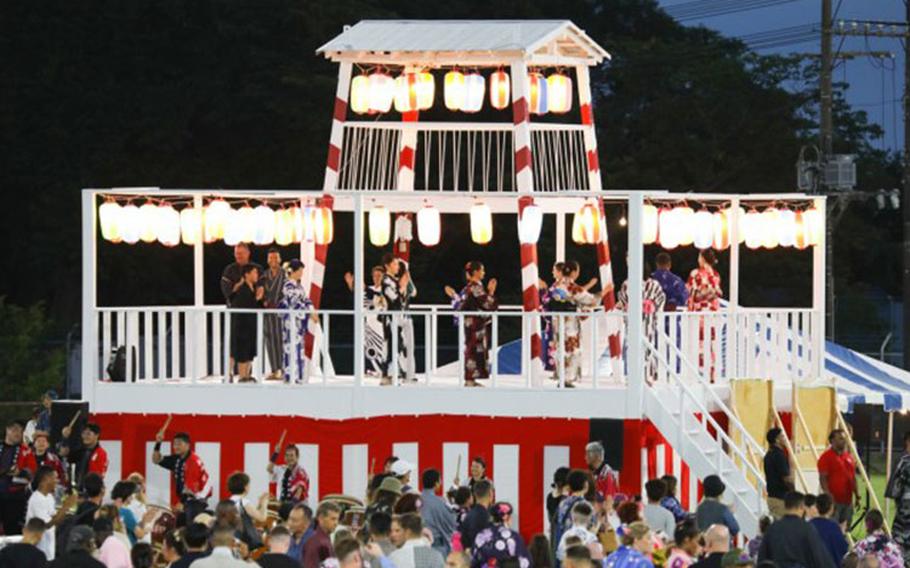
(818, 294)
(89, 298)
(198, 367)
(635, 354)
(359, 280)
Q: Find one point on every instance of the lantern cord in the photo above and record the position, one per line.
(456, 158)
(440, 160)
(428, 151)
(485, 148)
(499, 161)
(471, 160)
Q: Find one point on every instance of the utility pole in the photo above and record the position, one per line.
(905, 329)
(826, 132)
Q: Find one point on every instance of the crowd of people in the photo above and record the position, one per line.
(391, 289)
(57, 500)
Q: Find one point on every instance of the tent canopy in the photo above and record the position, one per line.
(864, 380)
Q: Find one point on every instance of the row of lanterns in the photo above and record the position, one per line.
(771, 228)
(378, 92)
(261, 225)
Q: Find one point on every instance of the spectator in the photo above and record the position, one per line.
(138, 505)
(898, 489)
(635, 549)
(174, 546)
(673, 286)
(581, 521)
(380, 526)
(606, 480)
(238, 485)
(755, 543)
(670, 502)
(415, 552)
(113, 514)
(828, 530)
(878, 544)
(659, 519)
(79, 548)
(409, 503)
(111, 550)
(577, 481)
(711, 511)
(122, 495)
(778, 475)
(93, 494)
(559, 489)
(26, 554)
(319, 546)
(811, 509)
(47, 404)
(435, 513)
(717, 544)
(196, 540)
(401, 469)
(499, 542)
(142, 555)
(539, 551)
(90, 457)
(791, 540)
(300, 525)
(349, 552)
(13, 495)
(41, 455)
(837, 476)
(222, 555)
(577, 556)
(277, 556)
(42, 505)
(686, 547)
(387, 494)
(478, 517)
(457, 559)
(737, 558)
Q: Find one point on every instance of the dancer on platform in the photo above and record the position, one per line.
(572, 298)
(272, 281)
(294, 323)
(704, 296)
(374, 348)
(546, 292)
(406, 360)
(395, 294)
(475, 297)
(248, 296)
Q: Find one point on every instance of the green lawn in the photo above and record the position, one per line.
(876, 471)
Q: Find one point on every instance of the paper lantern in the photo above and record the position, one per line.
(284, 227)
(380, 222)
(246, 217)
(586, 225)
(751, 226)
(429, 226)
(129, 224)
(191, 226)
(537, 98)
(233, 228)
(454, 90)
(481, 223)
(265, 225)
(215, 219)
(109, 219)
(530, 221)
(786, 228)
(649, 224)
(381, 92)
(148, 222)
(668, 231)
(302, 220)
(703, 229)
(167, 227)
(801, 231)
(684, 220)
(815, 225)
(499, 90)
(360, 94)
(475, 87)
(559, 93)
(770, 228)
(323, 226)
(720, 224)
(414, 91)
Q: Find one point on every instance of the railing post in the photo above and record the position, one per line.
(461, 377)
(561, 350)
(199, 366)
(326, 362)
(427, 346)
(359, 321)
(494, 355)
(226, 355)
(595, 352)
(394, 354)
(635, 390)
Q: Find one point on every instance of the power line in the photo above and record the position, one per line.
(699, 9)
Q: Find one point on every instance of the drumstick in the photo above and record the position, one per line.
(373, 466)
(458, 467)
(166, 424)
(281, 440)
(75, 417)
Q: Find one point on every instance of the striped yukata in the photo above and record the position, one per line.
(272, 324)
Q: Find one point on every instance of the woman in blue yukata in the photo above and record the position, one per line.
(635, 550)
(294, 324)
(499, 541)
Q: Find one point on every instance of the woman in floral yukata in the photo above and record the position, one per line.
(499, 541)
(294, 324)
(635, 549)
(475, 297)
(569, 296)
(396, 290)
(878, 544)
(704, 296)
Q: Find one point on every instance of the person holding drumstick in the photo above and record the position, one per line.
(291, 477)
(191, 480)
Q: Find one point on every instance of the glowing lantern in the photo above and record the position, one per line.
(429, 226)
(751, 226)
(721, 229)
(667, 231)
(129, 224)
(265, 225)
(323, 226)
(530, 222)
(167, 226)
(814, 225)
(770, 228)
(801, 232)
(684, 220)
(475, 85)
(148, 222)
(233, 228)
(284, 227)
(499, 90)
(414, 91)
(360, 94)
(586, 225)
(109, 219)
(191, 226)
(381, 92)
(703, 229)
(455, 90)
(216, 217)
(537, 98)
(380, 226)
(559, 91)
(481, 223)
(246, 218)
(649, 224)
(786, 228)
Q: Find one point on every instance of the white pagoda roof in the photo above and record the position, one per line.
(474, 42)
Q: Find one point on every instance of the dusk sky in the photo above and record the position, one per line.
(864, 76)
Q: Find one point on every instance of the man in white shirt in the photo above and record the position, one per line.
(416, 552)
(660, 520)
(41, 505)
(222, 555)
(581, 520)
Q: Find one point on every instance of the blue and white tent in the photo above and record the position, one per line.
(864, 380)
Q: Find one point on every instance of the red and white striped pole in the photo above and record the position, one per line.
(317, 276)
(407, 151)
(336, 138)
(587, 121)
(524, 180)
